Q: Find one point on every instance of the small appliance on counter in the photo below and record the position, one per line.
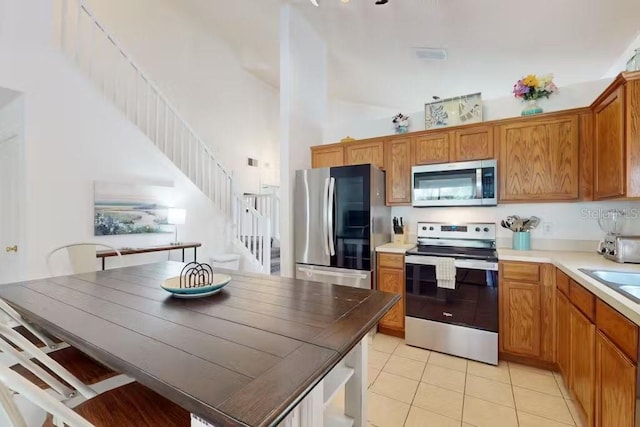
(622, 249)
(615, 246)
(461, 319)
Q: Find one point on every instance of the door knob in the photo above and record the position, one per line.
(13, 248)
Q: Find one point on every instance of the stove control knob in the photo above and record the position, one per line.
(486, 229)
(477, 229)
(430, 228)
(424, 228)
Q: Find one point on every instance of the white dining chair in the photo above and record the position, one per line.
(80, 258)
(18, 349)
(12, 383)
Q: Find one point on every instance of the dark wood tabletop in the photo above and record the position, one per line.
(245, 356)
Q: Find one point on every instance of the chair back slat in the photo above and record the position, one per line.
(11, 381)
(82, 258)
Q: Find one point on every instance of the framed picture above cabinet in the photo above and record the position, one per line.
(460, 110)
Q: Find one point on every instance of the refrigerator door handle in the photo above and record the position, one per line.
(311, 272)
(325, 216)
(332, 193)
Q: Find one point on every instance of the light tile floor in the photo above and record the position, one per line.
(412, 387)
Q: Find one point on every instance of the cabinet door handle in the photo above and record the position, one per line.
(13, 248)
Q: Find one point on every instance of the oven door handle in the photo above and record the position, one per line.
(460, 263)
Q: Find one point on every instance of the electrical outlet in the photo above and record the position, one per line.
(547, 228)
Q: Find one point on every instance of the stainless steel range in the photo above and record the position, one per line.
(461, 321)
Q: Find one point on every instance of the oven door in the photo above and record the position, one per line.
(455, 184)
(474, 302)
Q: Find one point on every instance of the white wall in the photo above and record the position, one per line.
(358, 124)
(303, 94)
(73, 137)
(233, 111)
(574, 225)
(621, 62)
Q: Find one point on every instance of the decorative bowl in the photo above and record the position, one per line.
(172, 285)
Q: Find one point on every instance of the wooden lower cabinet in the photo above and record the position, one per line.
(520, 314)
(615, 385)
(527, 299)
(392, 280)
(582, 370)
(563, 335)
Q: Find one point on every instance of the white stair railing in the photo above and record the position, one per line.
(268, 205)
(253, 231)
(106, 63)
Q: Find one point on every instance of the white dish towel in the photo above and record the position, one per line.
(445, 271)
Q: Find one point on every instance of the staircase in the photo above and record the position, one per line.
(86, 42)
(268, 205)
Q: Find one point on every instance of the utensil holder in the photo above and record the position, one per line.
(522, 241)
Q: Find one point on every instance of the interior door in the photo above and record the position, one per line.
(10, 200)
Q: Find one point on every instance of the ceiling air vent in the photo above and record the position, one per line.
(430, 54)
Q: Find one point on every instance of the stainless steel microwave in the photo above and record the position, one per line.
(455, 184)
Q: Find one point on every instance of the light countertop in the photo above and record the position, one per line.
(395, 248)
(570, 262)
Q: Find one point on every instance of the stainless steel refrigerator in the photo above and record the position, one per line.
(339, 218)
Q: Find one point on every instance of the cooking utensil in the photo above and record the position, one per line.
(533, 222)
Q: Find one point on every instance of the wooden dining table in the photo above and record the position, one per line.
(249, 355)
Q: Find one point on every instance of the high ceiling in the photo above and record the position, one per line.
(490, 43)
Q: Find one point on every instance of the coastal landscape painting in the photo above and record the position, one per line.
(121, 208)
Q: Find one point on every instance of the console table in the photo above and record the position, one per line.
(162, 248)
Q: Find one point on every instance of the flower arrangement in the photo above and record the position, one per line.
(532, 87)
(401, 123)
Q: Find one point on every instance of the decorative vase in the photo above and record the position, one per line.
(531, 107)
(634, 62)
(402, 129)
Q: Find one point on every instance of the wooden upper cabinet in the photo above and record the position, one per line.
(615, 385)
(431, 148)
(326, 156)
(359, 153)
(539, 160)
(398, 168)
(609, 151)
(616, 129)
(474, 143)
(583, 363)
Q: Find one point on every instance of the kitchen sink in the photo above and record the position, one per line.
(625, 283)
